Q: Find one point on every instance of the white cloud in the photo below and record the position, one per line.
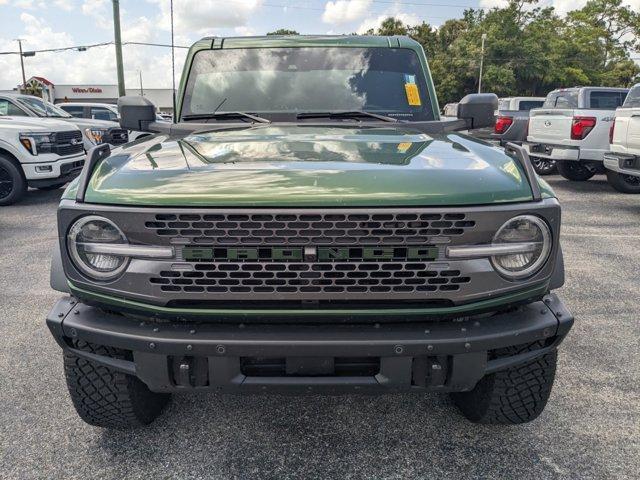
(66, 5)
(493, 3)
(345, 11)
(204, 17)
(374, 22)
(244, 31)
(96, 65)
(100, 12)
(26, 4)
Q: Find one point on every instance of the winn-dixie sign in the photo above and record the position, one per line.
(86, 89)
(319, 254)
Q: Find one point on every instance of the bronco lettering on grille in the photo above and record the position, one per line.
(297, 254)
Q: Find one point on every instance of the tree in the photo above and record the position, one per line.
(530, 50)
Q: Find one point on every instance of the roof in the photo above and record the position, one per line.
(86, 104)
(312, 41)
(41, 80)
(17, 95)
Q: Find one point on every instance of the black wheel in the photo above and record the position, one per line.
(55, 186)
(623, 183)
(576, 171)
(542, 166)
(12, 183)
(516, 395)
(107, 398)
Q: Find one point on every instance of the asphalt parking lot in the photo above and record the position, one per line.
(591, 428)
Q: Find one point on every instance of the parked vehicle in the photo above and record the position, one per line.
(35, 152)
(572, 128)
(94, 132)
(512, 124)
(450, 110)
(623, 160)
(99, 111)
(291, 233)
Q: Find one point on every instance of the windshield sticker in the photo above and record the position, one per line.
(413, 96)
(404, 146)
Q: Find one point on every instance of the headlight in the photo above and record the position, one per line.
(38, 142)
(529, 231)
(90, 261)
(96, 135)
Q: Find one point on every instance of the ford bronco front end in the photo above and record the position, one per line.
(309, 224)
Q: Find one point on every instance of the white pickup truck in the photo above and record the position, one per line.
(572, 128)
(623, 160)
(37, 152)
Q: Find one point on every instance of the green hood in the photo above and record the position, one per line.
(308, 166)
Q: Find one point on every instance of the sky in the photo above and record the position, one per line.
(61, 23)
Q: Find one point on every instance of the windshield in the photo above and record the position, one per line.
(42, 108)
(386, 81)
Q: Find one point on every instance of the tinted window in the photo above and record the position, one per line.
(282, 80)
(100, 113)
(8, 108)
(527, 105)
(74, 110)
(633, 98)
(566, 99)
(606, 100)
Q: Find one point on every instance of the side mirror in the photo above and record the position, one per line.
(136, 113)
(478, 110)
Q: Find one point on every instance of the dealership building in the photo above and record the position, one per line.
(57, 93)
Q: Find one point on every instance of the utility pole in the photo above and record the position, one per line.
(141, 89)
(24, 78)
(118, 42)
(484, 37)
(173, 67)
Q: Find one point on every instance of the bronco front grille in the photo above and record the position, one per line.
(310, 228)
(309, 254)
(352, 257)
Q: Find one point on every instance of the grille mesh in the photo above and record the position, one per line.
(339, 277)
(117, 136)
(314, 229)
(63, 144)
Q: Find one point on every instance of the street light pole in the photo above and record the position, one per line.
(118, 42)
(484, 37)
(24, 78)
(141, 89)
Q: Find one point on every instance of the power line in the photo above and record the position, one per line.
(82, 48)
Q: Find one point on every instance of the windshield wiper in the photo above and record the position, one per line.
(346, 114)
(216, 115)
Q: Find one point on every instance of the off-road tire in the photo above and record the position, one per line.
(542, 166)
(12, 179)
(516, 395)
(623, 183)
(55, 186)
(107, 398)
(575, 171)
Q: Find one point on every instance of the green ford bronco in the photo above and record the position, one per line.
(308, 224)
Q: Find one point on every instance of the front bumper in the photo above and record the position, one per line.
(58, 171)
(621, 163)
(451, 355)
